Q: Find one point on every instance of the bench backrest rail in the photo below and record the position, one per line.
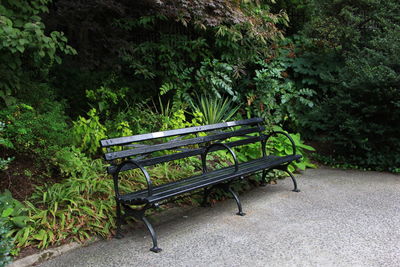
(144, 137)
(186, 154)
(180, 143)
(179, 146)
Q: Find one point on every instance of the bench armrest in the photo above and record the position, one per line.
(145, 173)
(208, 148)
(276, 133)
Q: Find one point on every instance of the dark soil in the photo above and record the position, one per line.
(322, 148)
(22, 175)
(18, 179)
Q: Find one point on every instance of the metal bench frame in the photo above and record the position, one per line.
(147, 198)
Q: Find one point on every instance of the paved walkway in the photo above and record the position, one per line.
(340, 218)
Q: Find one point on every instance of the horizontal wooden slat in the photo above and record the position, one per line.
(196, 129)
(181, 155)
(180, 143)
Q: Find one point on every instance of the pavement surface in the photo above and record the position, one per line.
(340, 218)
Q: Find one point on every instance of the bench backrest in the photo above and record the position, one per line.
(130, 146)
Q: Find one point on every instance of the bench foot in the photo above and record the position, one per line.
(156, 249)
(236, 197)
(293, 180)
(138, 215)
(118, 235)
(285, 169)
(153, 234)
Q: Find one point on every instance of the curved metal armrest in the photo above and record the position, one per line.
(204, 156)
(285, 134)
(146, 175)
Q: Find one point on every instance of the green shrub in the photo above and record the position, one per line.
(87, 133)
(357, 112)
(12, 211)
(26, 51)
(6, 143)
(276, 98)
(72, 162)
(107, 100)
(33, 133)
(13, 216)
(6, 244)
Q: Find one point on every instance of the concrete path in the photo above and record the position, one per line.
(340, 218)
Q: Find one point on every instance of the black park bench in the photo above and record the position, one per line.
(139, 151)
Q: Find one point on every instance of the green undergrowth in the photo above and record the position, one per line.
(342, 163)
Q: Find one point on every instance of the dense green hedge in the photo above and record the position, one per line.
(351, 61)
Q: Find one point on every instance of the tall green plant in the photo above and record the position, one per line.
(87, 132)
(277, 97)
(215, 109)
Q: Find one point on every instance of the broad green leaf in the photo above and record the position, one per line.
(7, 212)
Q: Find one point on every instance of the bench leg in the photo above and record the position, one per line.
(206, 193)
(138, 214)
(285, 169)
(263, 178)
(153, 234)
(236, 197)
(295, 189)
(120, 221)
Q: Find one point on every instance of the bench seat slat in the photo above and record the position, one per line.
(208, 179)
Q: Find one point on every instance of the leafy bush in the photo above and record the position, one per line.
(357, 113)
(87, 133)
(6, 244)
(12, 211)
(215, 78)
(71, 162)
(13, 216)
(107, 100)
(34, 133)
(277, 98)
(26, 51)
(6, 143)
